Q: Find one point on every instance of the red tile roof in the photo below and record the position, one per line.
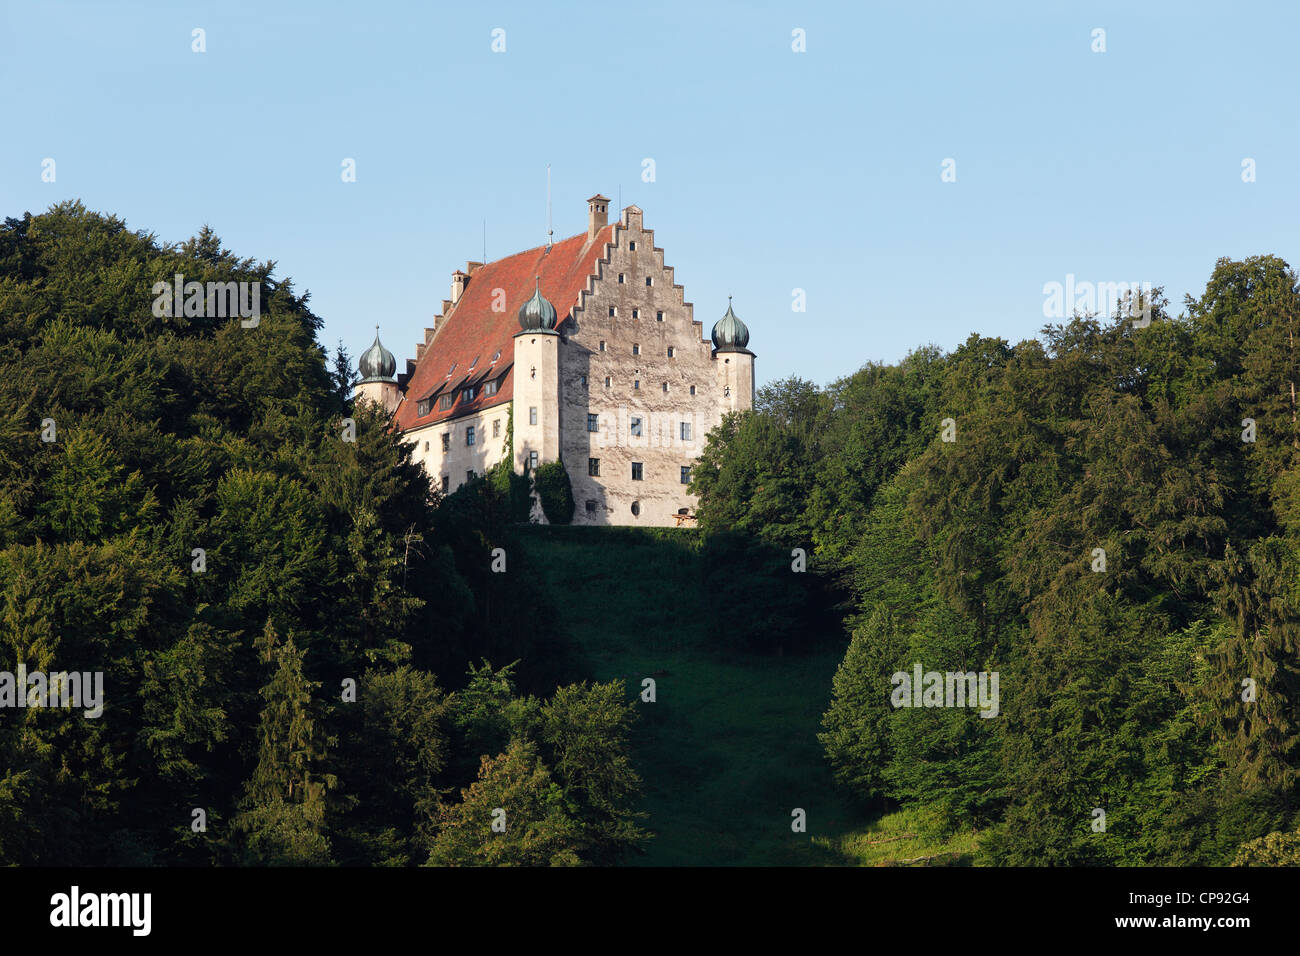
(472, 329)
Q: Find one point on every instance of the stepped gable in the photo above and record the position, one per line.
(472, 329)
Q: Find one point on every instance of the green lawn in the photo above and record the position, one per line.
(729, 748)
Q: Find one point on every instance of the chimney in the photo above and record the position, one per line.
(597, 215)
(458, 281)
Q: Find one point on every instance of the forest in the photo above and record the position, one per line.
(1107, 517)
(312, 657)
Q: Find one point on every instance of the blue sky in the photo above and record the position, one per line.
(774, 170)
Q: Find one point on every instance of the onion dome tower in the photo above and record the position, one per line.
(378, 367)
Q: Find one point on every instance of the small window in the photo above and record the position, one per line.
(591, 507)
(532, 415)
(665, 388)
(491, 387)
(453, 367)
(671, 353)
(426, 446)
(467, 394)
(496, 428)
(424, 407)
(446, 483)
(613, 311)
(686, 431)
(692, 389)
(636, 384)
(631, 246)
(635, 425)
(445, 401)
(636, 349)
(620, 278)
(532, 460)
(593, 420)
(593, 467)
(446, 441)
(496, 356)
(686, 474)
(474, 363)
(608, 381)
(659, 316)
(636, 507)
(636, 471)
(649, 280)
(469, 475)
(582, 380)
(469, 434)
(602, 345)
(636, 313)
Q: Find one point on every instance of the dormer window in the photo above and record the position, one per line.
(491, 387)
(445, 402)
(467, 394)
(424, 406)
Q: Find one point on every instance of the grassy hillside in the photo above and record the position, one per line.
(729, 747)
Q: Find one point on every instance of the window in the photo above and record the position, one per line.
(426, 446)
(636, 507)
(467, 394)
(636, 313)
(582, 380)
(446, 441)
(496, 427)
(469, 475)
(636, 349)
(608, 381)
(602, 345)
(636, 471)
(631, 246)
(692, 389)
(497, 356)
(635, 425)
(671, 353)
(452, 369)
(469, 434)
(424, 407)
(591, 507)
(491, 387)
(593, 467)
(649, 280)
(473, 363)
(613, 311)
(532, 460)
(445, 401)
(659, 316)
(532, 415)
(686, 474)
(620, 278)
(446, 483)
(593, 420)
(665, 388)
(686, 431)
(636, 384)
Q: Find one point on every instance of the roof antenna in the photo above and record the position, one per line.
(549, 231)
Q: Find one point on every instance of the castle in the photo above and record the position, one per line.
(583, 351)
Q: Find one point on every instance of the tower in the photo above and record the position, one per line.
(536, 411)
(377, 367)
(735, 362)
